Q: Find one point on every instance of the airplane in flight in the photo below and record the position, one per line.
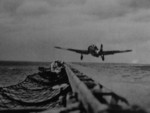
(94, 51)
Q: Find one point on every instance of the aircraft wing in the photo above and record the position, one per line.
(74, 50)
(114, 52)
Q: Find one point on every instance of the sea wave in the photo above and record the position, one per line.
(35, 91)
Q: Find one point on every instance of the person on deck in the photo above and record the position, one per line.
(57, 66)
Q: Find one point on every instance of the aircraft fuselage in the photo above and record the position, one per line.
(94, 51)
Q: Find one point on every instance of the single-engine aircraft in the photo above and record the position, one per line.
(94, 51)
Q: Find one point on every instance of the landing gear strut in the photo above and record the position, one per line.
(103, 58)
(81, 57)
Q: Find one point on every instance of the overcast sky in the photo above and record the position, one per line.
(29, 29)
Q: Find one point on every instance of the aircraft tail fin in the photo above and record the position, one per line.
(101, 52)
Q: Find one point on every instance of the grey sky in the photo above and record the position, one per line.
(29, 29)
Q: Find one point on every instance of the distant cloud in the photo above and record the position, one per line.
(35, 26)
(33, 8)
(102, 8)
(114, 8)
(9, 6)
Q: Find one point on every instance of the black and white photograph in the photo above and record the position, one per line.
(74, 56)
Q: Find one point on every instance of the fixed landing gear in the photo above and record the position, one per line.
(103, 57)
(81, 57)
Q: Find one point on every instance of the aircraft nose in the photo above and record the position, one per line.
(97, 51)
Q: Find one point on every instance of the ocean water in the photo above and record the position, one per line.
(12, 72)
(24, 87)
(19, 82)
(122, 71)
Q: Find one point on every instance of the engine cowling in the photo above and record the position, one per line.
(92, 48)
